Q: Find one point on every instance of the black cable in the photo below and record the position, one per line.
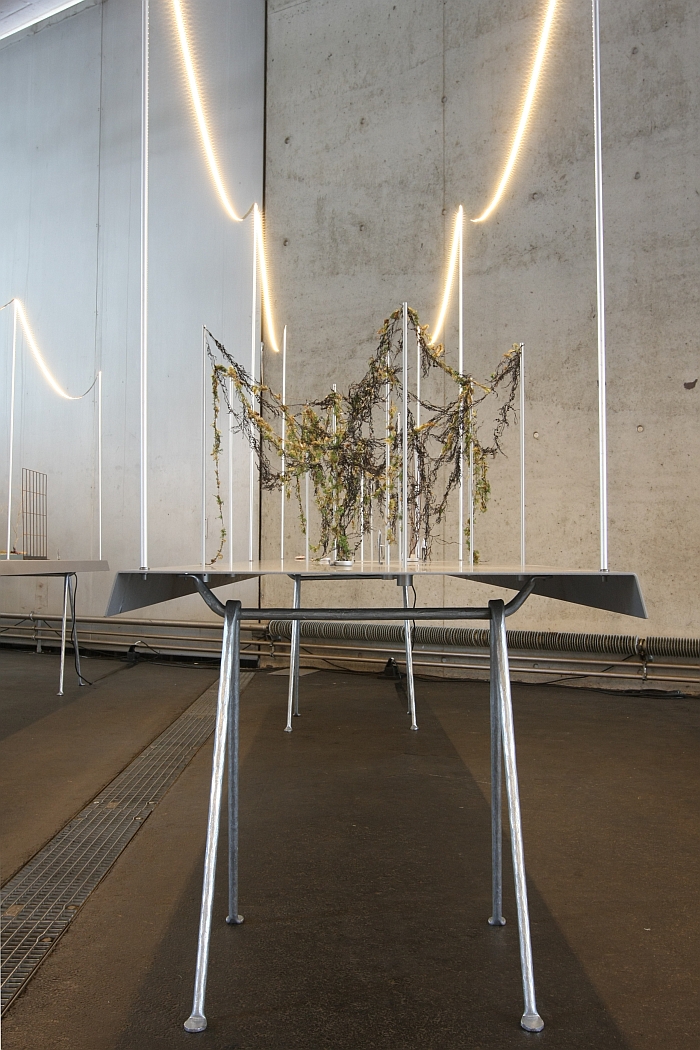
(72, 596)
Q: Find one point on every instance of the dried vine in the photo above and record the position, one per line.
(351, 445)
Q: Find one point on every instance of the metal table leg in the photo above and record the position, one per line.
(63, 636)
(228, 682)
(496, 918)
(409, 663)
(293, 696)
(531, 1020)
(233, 918)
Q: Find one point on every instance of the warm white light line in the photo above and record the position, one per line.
(216, 174)
(43, 367)
(12, 429)
(99, 465)
(143, 356)
(262, 263)
(284, 437)
(201, 118)
(600, 285)
(451, 267)
(525, 115)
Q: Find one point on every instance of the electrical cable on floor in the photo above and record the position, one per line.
(72, 597)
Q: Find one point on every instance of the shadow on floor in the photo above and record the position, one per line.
(365, 880)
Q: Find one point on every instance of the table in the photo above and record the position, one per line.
(15, 567)
(616, 592)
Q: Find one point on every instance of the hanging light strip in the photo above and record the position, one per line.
(525, 114)
(217, 179)
(451, 268)
(508, 170)
(43, 367)
(201, 118)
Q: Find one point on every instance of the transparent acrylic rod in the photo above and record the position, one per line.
(600, 283)
(253, 342)
(145, 20)
(522, 454)
(404, 425)
(460, 219)
(12, 429)
(284, 436)
(204, 447)
(99, 465)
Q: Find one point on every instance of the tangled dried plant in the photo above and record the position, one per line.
(351, 445)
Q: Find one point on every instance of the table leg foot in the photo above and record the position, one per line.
(196, 1023)
(493, 921)
(235, 922)
(531, 1022)
(287, 729)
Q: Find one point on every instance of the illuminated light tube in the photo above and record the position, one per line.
(201, 118)
(262, 262)
(525, 115)
(29, 336)
(454, 253)
(258, 233)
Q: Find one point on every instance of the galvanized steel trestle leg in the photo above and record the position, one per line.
(227, 706)
(531, 1020)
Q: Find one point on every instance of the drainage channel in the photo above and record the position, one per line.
(42, 899)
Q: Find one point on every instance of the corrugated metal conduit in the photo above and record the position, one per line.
(478, 638)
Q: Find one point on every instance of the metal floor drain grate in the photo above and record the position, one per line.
(45, 895)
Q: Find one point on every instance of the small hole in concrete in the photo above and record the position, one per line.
(640, 429)
(536, 434)
(637, 175)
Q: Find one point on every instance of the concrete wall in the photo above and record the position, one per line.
(70, 130)
(381, 119)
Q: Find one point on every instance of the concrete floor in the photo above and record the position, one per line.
(365, 870)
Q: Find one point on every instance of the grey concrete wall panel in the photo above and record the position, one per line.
(70, 214)
(381, 119)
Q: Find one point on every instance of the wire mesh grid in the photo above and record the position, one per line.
(34, 515)
(45, 895)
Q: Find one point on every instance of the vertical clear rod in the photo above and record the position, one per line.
(12, 428)
(284, 436)
(600, 281)
(404, 427)
(204, 446)
(99, 465)
(253, 342)
(144, 279)
(460, 220)
(522, 453)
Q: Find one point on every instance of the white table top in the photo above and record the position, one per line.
(30, 567)
(613, 591)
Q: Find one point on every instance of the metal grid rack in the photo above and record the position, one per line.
(34, 515)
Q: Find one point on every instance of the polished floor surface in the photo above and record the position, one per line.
(365, 854)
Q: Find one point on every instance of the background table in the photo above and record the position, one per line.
(18, 567)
